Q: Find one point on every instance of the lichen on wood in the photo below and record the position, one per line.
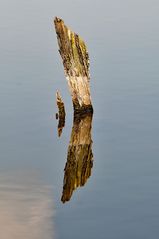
(76, 66)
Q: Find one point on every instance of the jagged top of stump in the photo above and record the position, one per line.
(72, 49)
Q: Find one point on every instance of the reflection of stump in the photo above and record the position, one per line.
(76, 66)
(79, 158)
(61, 114)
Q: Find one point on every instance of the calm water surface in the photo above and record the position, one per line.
(120, 199)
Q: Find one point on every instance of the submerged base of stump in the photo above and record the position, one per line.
(81, 111)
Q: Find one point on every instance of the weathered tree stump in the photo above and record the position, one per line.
(76, 66)
(61, 114)
(79, 157)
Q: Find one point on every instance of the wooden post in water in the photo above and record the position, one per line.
(76, 66)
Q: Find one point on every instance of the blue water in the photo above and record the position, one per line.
(121, 198)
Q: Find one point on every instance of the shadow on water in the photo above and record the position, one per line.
(79, 156)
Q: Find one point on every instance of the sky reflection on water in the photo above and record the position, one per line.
(26, 207)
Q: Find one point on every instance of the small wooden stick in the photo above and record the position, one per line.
(61, 114)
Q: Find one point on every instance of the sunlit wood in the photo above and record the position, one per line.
(76, 66)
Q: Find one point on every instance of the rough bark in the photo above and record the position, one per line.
(79, 157)
(76, 66)
(61, 113)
